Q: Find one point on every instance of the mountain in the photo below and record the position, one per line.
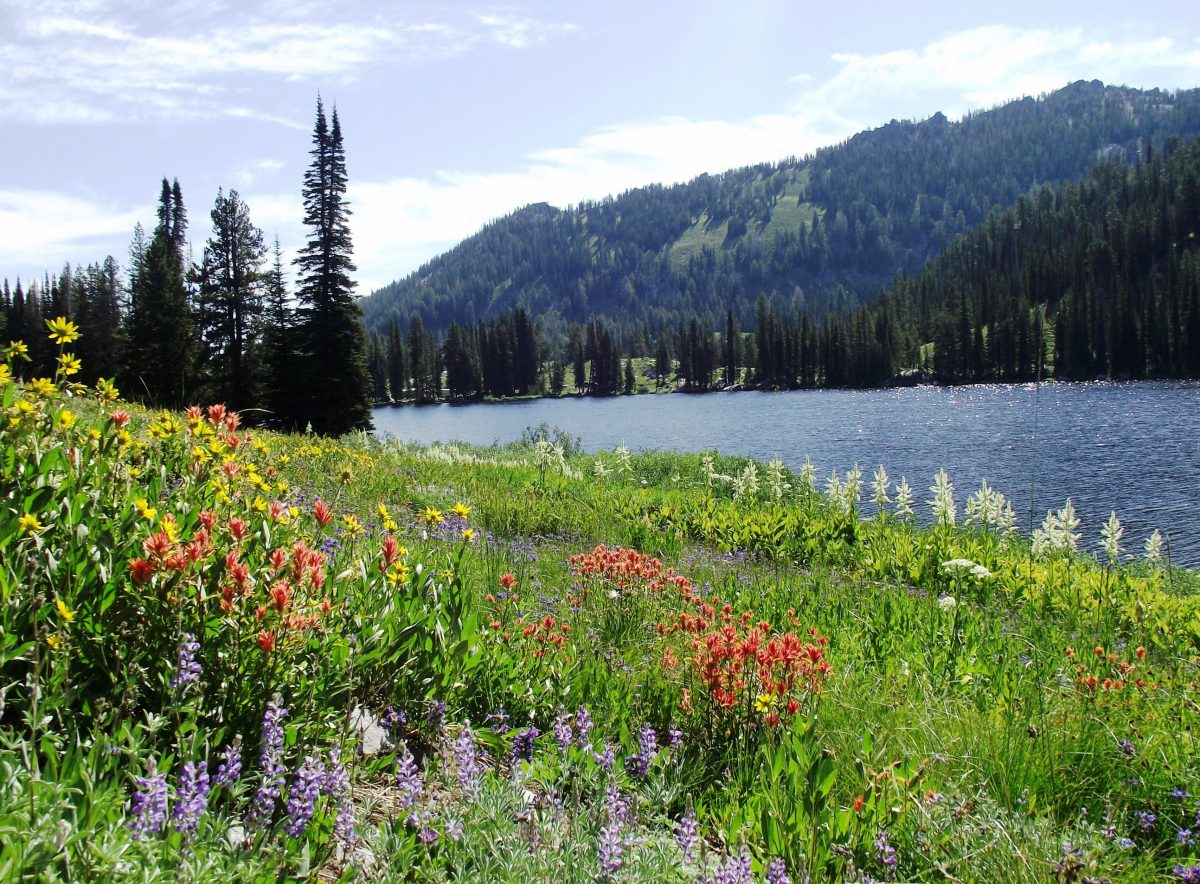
(817, 235)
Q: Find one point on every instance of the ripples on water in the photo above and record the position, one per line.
(1129, 447)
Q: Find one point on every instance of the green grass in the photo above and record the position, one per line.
(976, 723)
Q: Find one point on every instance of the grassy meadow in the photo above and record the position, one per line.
(227, 653)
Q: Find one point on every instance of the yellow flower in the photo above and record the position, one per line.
(469, 535)
(383, 512)
(398, 573)
(433, 516)
(200, 455)
(105, 391)
(94, 434)
(259, 505)
(146, 511)
(69, 364)
(124, 439)
(66, 419)
(170, 527)
(5, 374)
(55, 641)
(62, 330)
(43, 388)
(63, 611)
(17, 350)
(29, 524)
(764, 702)
(353, 526)
(461, 510)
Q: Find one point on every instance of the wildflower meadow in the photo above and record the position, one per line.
(227, 653)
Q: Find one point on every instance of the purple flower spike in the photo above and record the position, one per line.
(186, 668)
(148, 808)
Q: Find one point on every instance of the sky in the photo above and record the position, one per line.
(457, 113)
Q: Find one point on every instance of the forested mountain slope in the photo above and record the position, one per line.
(816, 235)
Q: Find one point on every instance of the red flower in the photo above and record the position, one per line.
(120, 418)
(238, 528)
(216, 414)
(281, 595)
(322, 513)
(390, 552)
(266, 641)
(208, 519)
(858, 804)
(508, 581)
(141, 570)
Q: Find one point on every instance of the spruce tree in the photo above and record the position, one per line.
(231, 302)
(159, 341)
(332, 340)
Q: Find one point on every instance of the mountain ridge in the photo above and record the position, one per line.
(822, 233)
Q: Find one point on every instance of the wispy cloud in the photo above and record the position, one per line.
(41, 229)
(987, 65)
(114, 59)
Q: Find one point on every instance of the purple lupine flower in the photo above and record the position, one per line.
(674, 738)
(148, 807)
(498, 720)
(186, 667)
(686, 835)
(437, 714)
(191, 797)
(230, 768)
(394, 720)
(302, 795)
(610, 849)
(735, 870)
(777, 871)
(564, 734)
(1145, 819)
(616, 805)
(336, 783)
(522, 744)
(583, 727)
(428, 836)
(1185, 838)
(638, 765)
(1125, 844)
(1186, 873)
(454, 830)
(606, 757)
(465, 755)
(1127, 748)
(269, 754)
(886, 854)
(343, 824)
(408, 781)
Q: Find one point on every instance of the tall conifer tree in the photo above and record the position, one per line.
(332, 341)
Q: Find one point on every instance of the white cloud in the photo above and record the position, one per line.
(115, 57)
(985, 66)
(41, 229)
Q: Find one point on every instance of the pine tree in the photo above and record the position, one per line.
(332, 341)
(231, 301)
(159, 342)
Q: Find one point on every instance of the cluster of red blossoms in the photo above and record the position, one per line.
(1106, 671)
(218, 416)
(546, 637)
(289, 574)
(738, 664)
(621, 567)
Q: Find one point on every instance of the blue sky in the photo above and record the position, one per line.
(456, 113)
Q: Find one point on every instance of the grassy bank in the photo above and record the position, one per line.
(234, 653)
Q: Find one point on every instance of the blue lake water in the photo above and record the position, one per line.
(1129, 447)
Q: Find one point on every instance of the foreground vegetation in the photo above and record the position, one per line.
(241, 654)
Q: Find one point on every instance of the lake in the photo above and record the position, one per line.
(1129, 447)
